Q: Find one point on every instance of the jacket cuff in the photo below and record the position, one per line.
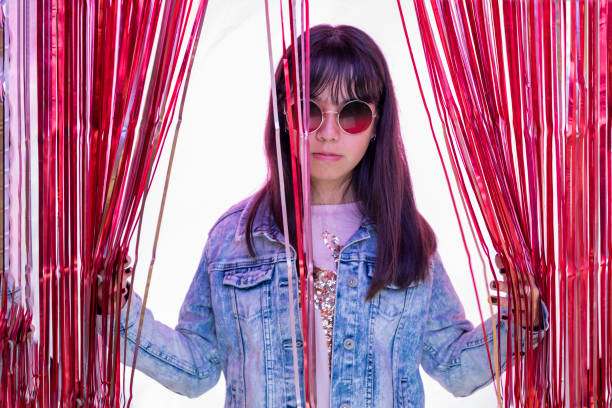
(133, 319)
(125, 322)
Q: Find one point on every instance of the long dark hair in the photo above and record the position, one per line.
(348, 60)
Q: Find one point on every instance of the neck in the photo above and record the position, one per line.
(331, 193)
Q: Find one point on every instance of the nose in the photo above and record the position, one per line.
(329, 130)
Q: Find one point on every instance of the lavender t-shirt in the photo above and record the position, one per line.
(332, 226)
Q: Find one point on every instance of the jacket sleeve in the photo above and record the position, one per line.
(184, 359)
(454, 352)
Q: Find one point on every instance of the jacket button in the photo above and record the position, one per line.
(348, 344)
(345, 405)
(352, 282)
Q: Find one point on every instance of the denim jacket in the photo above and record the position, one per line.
(235, 319)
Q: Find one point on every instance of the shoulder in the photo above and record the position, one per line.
(232, 216)
(225, 238)
(229, 222)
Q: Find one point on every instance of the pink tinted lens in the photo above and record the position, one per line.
(355, 117)
(316, 117)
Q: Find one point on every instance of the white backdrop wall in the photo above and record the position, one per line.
(220, 160)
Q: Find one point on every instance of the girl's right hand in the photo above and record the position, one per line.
(529, 297)
(103, 301)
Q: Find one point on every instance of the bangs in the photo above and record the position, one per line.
(347, 72)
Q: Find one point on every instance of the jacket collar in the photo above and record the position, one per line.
(264, 224)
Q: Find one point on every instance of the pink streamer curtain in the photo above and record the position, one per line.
(522, 89)
(91, 90)
(296, 77)
(89, 129)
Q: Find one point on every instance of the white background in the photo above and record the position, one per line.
(220, 160)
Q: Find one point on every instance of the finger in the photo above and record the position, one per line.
(521, 319)
(533, 288)
(498, 261)
(504, 302)
(521, 290)
(499, 285)
(128, 268)
(501, 300)
(502, 274)
(516, 282)
(528, 278)
(533, 296)
(524, 309)
(127, 273)
(522, 278)
(527, 290)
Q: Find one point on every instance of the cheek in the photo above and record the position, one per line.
(359, 147)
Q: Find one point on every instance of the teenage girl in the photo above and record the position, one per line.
(384, 303)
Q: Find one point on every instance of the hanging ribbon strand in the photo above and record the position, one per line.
(295, 76)
(523, 93)
(105, 82)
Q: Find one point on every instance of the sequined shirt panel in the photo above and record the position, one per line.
(332, 226)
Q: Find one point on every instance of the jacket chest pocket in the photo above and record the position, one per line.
(391, 300)
(249, 289)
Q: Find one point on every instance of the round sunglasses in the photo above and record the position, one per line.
(353, 117)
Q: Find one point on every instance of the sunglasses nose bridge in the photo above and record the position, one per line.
(325, 120)
(320, 114)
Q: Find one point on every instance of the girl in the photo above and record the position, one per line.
(384, 303)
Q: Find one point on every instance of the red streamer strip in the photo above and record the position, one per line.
(296, 90)
(109, 77)
(523, 92)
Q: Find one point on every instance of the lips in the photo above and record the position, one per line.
(326, 156)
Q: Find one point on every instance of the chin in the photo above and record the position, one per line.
(326, 178)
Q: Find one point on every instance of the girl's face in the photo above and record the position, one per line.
(333, 152)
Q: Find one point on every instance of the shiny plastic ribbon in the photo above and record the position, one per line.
(288, 257)
(523, 93)
(296, 83)
(105, 79)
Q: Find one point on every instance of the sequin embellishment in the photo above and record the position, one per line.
(325, 290)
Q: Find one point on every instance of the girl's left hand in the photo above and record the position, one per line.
(102, 300)
(528, 292)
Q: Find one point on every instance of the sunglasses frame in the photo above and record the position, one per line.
(338, 115)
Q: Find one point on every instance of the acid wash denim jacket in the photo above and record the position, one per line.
(235, 319)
